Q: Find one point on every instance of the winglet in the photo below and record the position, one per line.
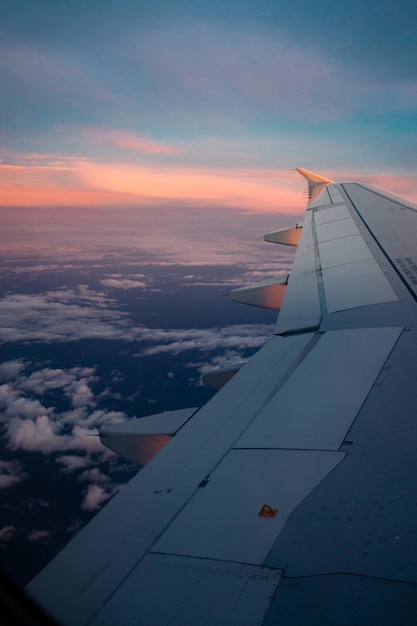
(316, 183)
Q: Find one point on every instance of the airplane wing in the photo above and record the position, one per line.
(290, 498)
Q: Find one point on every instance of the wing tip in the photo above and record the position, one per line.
(316, 183)
(313, 178)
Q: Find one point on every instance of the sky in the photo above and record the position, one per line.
(203, 103)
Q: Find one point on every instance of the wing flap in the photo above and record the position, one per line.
(268, 294)
(140, 439)
(285, 236)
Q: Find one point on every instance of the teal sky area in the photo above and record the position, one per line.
(168, 95)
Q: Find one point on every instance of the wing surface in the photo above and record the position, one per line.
(290, 496)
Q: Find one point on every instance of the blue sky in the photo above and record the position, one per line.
(203, 102)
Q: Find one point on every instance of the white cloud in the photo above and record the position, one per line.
(39, 536)
(43, 318)
(229, 358)
(11, 473)
(6, 533)
(60, 316)
(74, 382)
(38, 435)
(32, 426)
(123, 283)
(94, 475)
(81, 394)
(11, 369)
(95, 496)
(91, 419)
(73, 462)
(69, 437)
(13, 404)
(238, 336)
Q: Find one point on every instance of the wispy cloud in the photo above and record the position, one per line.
(51, 180)
(238, 336)
(123, 283)
(90, 183)
(6, 533)
(127, 140)
(50, 317)
(40, 536)
(73, 462)
(11, 473)
(45, 318)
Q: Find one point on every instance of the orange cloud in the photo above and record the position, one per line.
(49, 186)
(71, 182)
(87, 183)
(257, 190)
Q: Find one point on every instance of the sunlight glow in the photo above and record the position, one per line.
(89, 184)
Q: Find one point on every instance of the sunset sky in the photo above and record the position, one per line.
(203, 103)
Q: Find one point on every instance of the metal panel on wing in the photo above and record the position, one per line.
(393, 222)
(331, 214)
(344, 250)
(334, 193)
(335, 229)
(185, 593)
(335, 378)
(355, 285)
(242, 484)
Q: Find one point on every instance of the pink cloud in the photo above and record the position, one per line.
(127, 141)
(255, 190)
(11, 473)
(6, 533)
(39, 536)
(51, 180)
(123, 283)
(73, 462)
(86, 183)
(36, 436)
(96, 496)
